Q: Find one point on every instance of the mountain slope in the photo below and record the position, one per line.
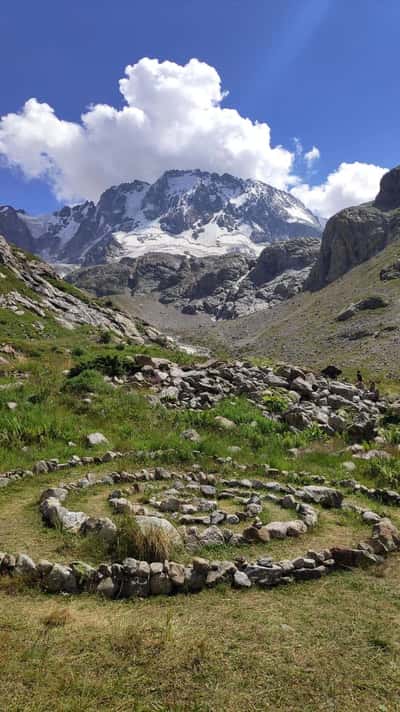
(184, 212)
(305, 329)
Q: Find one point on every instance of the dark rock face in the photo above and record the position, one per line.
(183, 212)
(11, 223)
(224, 286)
(279, 257)
(388, 197)
(356, 234)
(372, 302)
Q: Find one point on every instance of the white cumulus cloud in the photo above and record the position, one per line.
(172, 117)
(350, 184)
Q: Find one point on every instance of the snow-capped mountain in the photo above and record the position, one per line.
(184, 212)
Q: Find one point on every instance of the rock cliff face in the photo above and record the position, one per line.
(224, 286)
(184, 212)
(356, 234)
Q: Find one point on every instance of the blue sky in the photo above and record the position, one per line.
(323, 71)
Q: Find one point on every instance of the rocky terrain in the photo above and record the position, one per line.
(28, 285)
(184, 212)
(222, 286)
(227, 287)
(307, 398)
(356, 234)
(306, 328)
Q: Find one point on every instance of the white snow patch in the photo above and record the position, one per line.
(297, 214)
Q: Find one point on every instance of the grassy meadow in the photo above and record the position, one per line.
(331, 645)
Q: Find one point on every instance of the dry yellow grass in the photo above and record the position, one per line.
(330, 645)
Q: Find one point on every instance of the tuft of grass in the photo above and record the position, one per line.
(154, 544)
(57, 618)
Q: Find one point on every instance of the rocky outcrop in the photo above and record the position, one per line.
(43, 293)
(356, 234)
(390, 272)
(224, 286)
(369, 303)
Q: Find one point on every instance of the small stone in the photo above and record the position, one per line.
(40, 467)
(106, 588)
(371, 517)
(241, 580)
(201, 565)
(224, 423)
(177, 574)
(160, 584)
(94, 439)
(288, 502)
(61, 578)
(191, 435)
(277, 530)
(296, 528)
(24, 565)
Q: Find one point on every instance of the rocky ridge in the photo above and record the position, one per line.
(38, 290)
(223, 286)
(184, 212)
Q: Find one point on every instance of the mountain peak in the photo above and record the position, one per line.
(190, 212)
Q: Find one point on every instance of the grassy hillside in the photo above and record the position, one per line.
(322, 645)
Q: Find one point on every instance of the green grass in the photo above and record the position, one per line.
(277, 650)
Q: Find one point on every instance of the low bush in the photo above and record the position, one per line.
(110, 364)
(276, 402)
(386, 473)
(88, 381)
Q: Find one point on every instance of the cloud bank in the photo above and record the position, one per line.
(172, 117)
(350, 184)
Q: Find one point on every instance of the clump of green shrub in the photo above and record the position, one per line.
(105, 337)
(110, 364)
(392, 435)
(276, 401)
(78, 351)
(88, 381)
(386, 473)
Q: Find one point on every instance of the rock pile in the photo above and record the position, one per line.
(333, 406)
